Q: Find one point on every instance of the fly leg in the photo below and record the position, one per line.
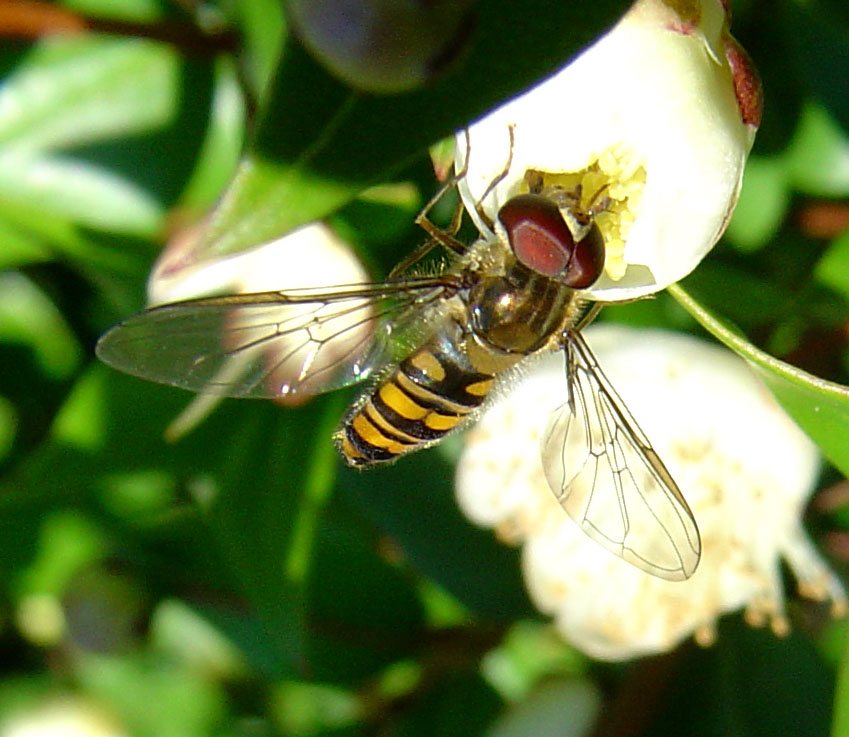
(446, 237)
(439, 235)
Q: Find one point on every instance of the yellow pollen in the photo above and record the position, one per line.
(613, 184)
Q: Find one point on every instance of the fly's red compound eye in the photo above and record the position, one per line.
(542, 241)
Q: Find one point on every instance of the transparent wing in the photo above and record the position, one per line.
(609, 479)
(273, 344)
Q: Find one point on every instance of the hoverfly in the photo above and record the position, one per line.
(438, 345)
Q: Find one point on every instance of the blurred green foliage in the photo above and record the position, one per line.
(240, 582)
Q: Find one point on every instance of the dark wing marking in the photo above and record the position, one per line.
(610, 480)
(273, 344)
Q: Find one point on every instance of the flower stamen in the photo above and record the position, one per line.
(608, 190)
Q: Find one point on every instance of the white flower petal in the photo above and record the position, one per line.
(649, 111)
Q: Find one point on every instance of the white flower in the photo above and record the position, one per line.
(654, 122)
(744, 467)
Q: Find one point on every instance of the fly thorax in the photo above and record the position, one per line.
(518, 312)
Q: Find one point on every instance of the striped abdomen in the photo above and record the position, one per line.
(427, 396)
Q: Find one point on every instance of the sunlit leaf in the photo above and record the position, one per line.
(833, 268)
(818, 157)
(28, 316)
(88, 195)
(79, 90)
(763, 203)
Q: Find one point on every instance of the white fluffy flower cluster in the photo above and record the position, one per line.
(744, 467)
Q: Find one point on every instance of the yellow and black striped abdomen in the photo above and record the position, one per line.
(427, 396)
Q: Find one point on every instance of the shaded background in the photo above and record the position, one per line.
(241, 582)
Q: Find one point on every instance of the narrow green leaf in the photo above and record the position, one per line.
(364, 612)
(263, 27)
(18, 247)
(318, 485)
(75, 190)
(28, 316)
(79, 90)
(55, 235)
(140, 11)
(218, 156)
(266, 514)
(819, 407)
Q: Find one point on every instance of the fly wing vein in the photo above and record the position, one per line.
(609, 479)
(270, 344)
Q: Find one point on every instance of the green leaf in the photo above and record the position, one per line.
(78, 90)
(414, 503)
(140, 11)
(364, 614)
(153, 698)
(36, 235)
(260, 485)
(18, 247)
(75, 190)
(272, 489)
(840, 717)
(319, 143)
(303, 709)
(818, 157)
(763, 203)
(263, 27)
(558, 708)
(28, 316)
(819, 407)
(833, 268)
(8, 426)
(749, 684)
(530, 653)
(219, 154)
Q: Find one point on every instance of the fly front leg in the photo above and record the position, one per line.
(441, 236)
(447, 237)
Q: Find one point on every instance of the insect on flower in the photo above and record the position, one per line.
(438, 346)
